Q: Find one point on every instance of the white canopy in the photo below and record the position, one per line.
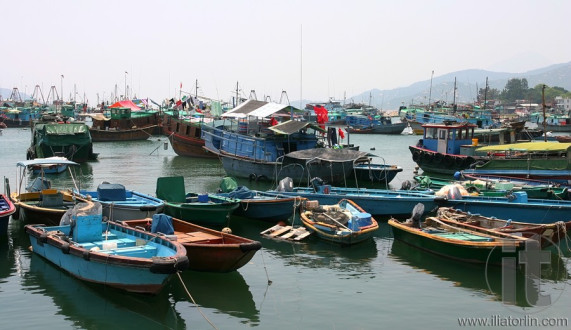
(253, 108)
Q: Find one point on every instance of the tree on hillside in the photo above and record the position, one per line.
(516, 89)
(550, 93)
(492, 94)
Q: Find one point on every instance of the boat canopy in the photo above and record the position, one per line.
(125, 104)
(46, 161)
(529, 146)
(293, 126)
(327, 154)
(254, 108)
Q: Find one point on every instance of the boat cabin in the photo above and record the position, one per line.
(447, 137)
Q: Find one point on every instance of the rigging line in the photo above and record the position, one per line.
(194, 302)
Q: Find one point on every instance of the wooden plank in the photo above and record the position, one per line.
(280, 231)
(302, 236)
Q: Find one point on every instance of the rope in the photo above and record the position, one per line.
(194, 302)
(265, 268)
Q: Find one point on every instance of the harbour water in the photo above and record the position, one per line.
(311, 285)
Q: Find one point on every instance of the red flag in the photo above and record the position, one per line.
(181, 84)
(341, 133)
(321, 114)
(273, 122)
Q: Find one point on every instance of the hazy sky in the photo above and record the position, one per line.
(311, 49)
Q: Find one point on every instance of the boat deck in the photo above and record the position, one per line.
(198, 237)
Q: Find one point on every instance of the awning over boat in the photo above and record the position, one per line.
(46, 161)
(96, 116)
(529, 146)
(327, 154)
(125, 104)
(254, 108)
(293, 126)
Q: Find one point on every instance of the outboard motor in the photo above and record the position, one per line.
(316, 183)
(285, 185)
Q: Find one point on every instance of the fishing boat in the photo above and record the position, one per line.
(7, 208)
(206, 209)
(41, 203)
(260, 148)
(184, 134)
(378, 202)
(259, 205)
(345, 222)
(52, 137)
(123, 124)
(476, 245)
(207, 250)
(516, 206)
(548, 161)
(123, 204)
(547, 234)
(445, 148)
(108, 253)
(371, 124)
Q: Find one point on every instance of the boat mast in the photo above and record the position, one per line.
(454, 107)
(543, 106)
(430, 93)
(196, 90)
(486, 94)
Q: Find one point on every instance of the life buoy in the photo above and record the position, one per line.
(252, 177)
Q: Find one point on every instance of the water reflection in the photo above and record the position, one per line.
(7, 257)
(95, 306)
(227, 293)
(484, 280)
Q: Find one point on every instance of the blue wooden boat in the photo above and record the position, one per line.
(108, 252)
(7, 208)
(361, 124)
(259, 205)
(124, 204)
(378, 202)
(205, 209)
(516, 207)
(445, 148)
(345, 223)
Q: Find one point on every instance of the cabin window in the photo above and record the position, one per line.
(430, 133)
(459, 134)
(177, 126)
(187, 130)
(442, 134)
(197, 132)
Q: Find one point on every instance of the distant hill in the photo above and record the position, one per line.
(467, 84)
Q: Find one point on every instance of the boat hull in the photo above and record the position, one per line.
(31, 212)
(379, 129)
(215, 215)
(436, 162)
(210, 250)
(270, 210)
(376, 173)
(334, 173)
(189, 146)
(137, 134)
(484, 253)
(385, 203)
(135, 206)
(7, 208)
(533, 211)
(133, 274)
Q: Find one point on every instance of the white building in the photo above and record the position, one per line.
(563, 104)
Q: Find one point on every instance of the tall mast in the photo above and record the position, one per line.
(454, 100)
(486, 94)
(430, 93)
(544, 119)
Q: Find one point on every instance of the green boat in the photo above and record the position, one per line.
(455, 242)
(70, 140)
(495, 188)
(204, 209)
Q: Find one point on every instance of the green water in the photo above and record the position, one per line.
(314, 285)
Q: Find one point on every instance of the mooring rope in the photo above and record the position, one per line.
(194, 302)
